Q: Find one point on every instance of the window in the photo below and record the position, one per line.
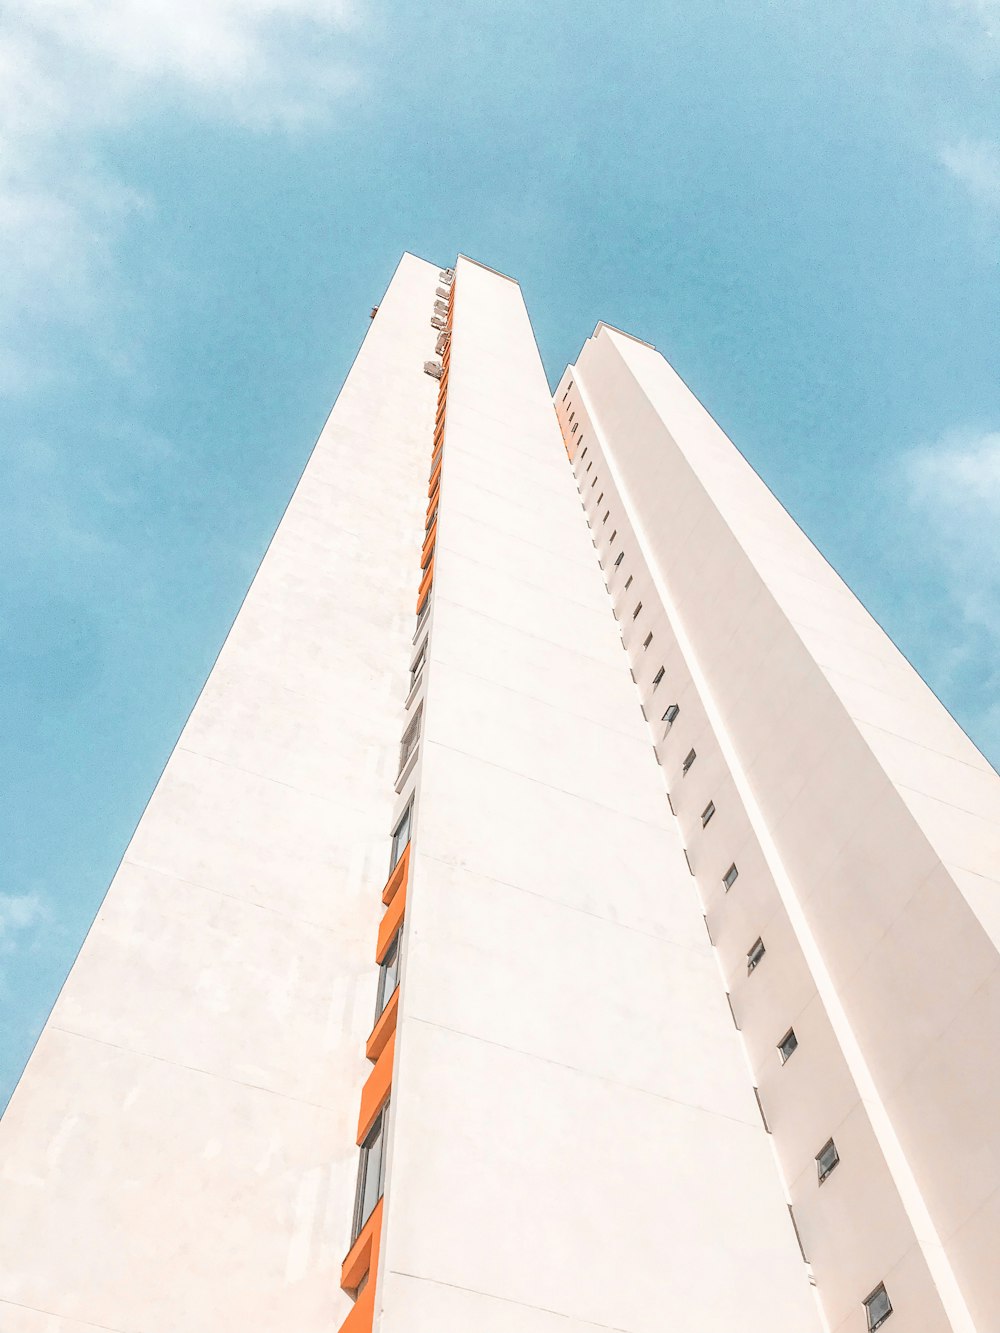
(754, 954)
(583, 453)
(787, 1044)
(575, 428)
(730, 877)
(600, 498)
(593, 483)
(422, 616)
(388, 976)
(590, 465)
(418, 664)
(628, 583)
(670, 716)
(826, 1159)
(707, 813)
(638, 608)
(648, 639)
(611, 539)
(659, 675)
(567, 393)
(410, 738)
(877, 1307)
(689, 759)
(607, 515)
(619, 559)
(401, 836)
(371, 1173)
(572, 415)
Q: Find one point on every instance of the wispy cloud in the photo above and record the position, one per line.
(19, 913)
(952, 493)
(975, 163)
(74, 71)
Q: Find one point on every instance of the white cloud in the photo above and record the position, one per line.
(976, 164)
(19, 913)
(72, 71)
(952, 493)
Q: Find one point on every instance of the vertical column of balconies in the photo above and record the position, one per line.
(360, 1267)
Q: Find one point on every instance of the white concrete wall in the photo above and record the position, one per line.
(575, 1142)
(179, 1156)
(866, 830)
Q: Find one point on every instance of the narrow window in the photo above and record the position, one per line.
(648, 639)
(613, 535)
(410, 738)
(754, 954)
(371, 1173)
(567, 393)
(670, 716)
(401, 836)
(707, 813)
(590, 465)
(619, 559)
(628, 583)
(418, 664)
(600, 498)
(607, 515)
(659, 675)
(575, 427)
(638, 608)
(572, 415)
(787, 1044)
(593, 483)
(689, 759)
(583, 452)
(826, 1159)
(730, 877)
(388, 976)
(877, 1307)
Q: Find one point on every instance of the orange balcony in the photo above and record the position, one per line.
(362, 1259)
(390, 923)
(376, 1089)
(425, 586)
(384, 1028)
(398, 877)
(428, 547)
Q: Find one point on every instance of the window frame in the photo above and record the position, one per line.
(755, 955)
(388, 970)
(396, 849)
(867, 1303)
(824, 1173)
(786, 1056)
(728, 883)
(376, 1136)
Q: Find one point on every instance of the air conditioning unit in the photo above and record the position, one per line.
(441, 306)
(446, 274)
(442, 291)
(438, 323)
(433, 368)
(442, 342)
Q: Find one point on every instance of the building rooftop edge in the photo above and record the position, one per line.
(611, 329)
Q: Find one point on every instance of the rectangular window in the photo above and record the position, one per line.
(648, 639)
(583, 452)
(571, 415)
(411, 737)
(401, 836)
(620, 557)
(574, 428)
(787, 1044)
(388, 976)
(730, 877)
(590, 465)
(689, 759)
(826, 1159)
(670, 716)
(638, 608)
(707, 813)
(611, 539)
(754, 954)
(659, 675)
(567, 393)
(593, 483)
(418, 664)
(607, 515)
(628, 583)
(600, 498)
(877, 1307)
(371, 1173)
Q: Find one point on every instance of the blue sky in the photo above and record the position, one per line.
(799, 204)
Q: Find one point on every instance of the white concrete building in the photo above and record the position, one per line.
(577, 1108)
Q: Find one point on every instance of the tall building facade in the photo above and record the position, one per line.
(564, 909)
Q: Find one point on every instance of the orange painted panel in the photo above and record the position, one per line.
(435, 477)
(363, 1251)
(384, 1028)
(428, 547)
(361, 1317)
(390, 923)
(425, 585)
(376, 1089)
(397, 879)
